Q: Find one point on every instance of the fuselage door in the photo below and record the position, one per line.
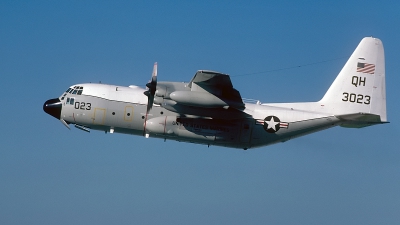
(128, 113)
(99, 116)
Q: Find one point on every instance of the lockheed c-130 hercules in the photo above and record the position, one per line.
(208, 110)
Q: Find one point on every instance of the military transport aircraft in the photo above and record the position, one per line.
(208, 110)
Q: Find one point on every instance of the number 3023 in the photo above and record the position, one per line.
(83, 105)
(361, 99)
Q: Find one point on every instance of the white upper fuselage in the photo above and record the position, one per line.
(132, 94)
(289, 112)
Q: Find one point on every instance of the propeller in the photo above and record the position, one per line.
(151, 91)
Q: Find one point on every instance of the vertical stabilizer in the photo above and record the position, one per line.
(360, 85)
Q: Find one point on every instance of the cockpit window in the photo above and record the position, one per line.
(71, 101)
(77, 90)
(67, 100)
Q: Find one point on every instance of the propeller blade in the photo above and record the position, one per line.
(152, 87)
(154, 75)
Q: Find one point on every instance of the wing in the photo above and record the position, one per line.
(208, 94)
(217, 84)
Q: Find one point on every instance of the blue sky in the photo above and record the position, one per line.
(51, 175)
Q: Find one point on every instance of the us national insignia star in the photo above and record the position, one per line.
(271, 124)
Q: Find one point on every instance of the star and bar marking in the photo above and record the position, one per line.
(272, 124)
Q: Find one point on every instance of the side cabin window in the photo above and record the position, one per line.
(68, 100)
(71, 101)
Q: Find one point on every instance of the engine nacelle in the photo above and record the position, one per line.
(216, 113)
(161, 92)
(197, 99)
(161, 125)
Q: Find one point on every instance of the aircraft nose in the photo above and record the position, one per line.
(53, 107)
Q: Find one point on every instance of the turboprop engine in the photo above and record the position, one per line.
(197, 99)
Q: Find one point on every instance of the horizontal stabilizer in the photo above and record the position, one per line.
(359, 120)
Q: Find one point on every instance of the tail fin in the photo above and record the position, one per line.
(360, 86)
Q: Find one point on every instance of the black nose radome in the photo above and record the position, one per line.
(53, 107)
